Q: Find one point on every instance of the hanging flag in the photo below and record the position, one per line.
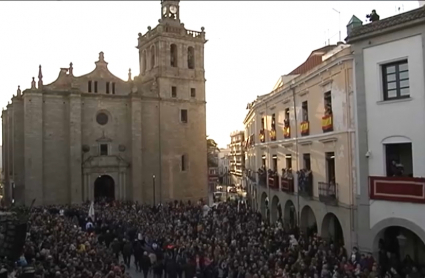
(91, 211)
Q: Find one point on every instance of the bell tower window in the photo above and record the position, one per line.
(173, 55)
(191, 57)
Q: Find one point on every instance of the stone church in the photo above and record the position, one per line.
(91, 136)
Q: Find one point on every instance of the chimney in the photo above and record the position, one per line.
(353, 23)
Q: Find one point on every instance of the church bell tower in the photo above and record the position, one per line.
(170, 11)
(172, 87)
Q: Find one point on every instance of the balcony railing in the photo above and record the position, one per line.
(273, 135)
(328, 193)
(287, 185)
(287, 132)
(274, 181)
(262, 178)
(397, 189)
(305, 128)
(262, 136)
(327, 123)
(251, 175)
(305, 183)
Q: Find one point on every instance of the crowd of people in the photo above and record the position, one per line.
(187, 240)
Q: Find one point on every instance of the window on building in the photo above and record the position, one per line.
(183, 163)
(307, 161)
(328, 103)
(113, 88)
(191, 57)
(107, 87)
(275, 163)
(103, 149)
(192, 92)
(183, 116)
(288, 160)
(399, 159)
(304, 107)
(330, 167)
(95, 86)
(273, 125)
(173, 91)
(173, 55)
(263, 161)
(89, 87)
(262, 123)
(395, 77)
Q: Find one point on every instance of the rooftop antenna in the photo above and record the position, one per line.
(339, 23)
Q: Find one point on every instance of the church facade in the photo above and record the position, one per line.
(85, 137)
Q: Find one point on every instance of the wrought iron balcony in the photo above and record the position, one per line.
(287, 185)
(274, 181)
(328, 193)
(262, 178)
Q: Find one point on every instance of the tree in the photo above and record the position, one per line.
(212, 152)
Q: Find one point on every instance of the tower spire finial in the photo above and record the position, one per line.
(33, 83)
(40, 78)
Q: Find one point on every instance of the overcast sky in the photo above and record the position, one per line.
(250, 44)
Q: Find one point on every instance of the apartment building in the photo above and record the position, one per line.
(224, 166)
(237, 157)
(390, 105)
(300, 146)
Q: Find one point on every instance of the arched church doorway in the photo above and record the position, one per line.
(104, 188)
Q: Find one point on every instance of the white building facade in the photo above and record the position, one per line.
(224, 165)
(390, 108)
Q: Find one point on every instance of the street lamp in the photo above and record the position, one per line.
(153, 188)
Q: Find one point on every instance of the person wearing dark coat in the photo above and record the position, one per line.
(127, 250)
(171, 268)
(145, 264)
(116, 248)
(138, 253)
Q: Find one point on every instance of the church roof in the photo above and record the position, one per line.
(313, 60)
(66, 78)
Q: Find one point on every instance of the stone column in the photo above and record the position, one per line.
(75, 170)
(125, 187)
(120, 195)
(90, 187)
(136, 150)
(33, 145)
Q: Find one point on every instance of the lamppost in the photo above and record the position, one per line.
(153, 188)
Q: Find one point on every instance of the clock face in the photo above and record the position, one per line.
(164, 10)
(173, 9)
